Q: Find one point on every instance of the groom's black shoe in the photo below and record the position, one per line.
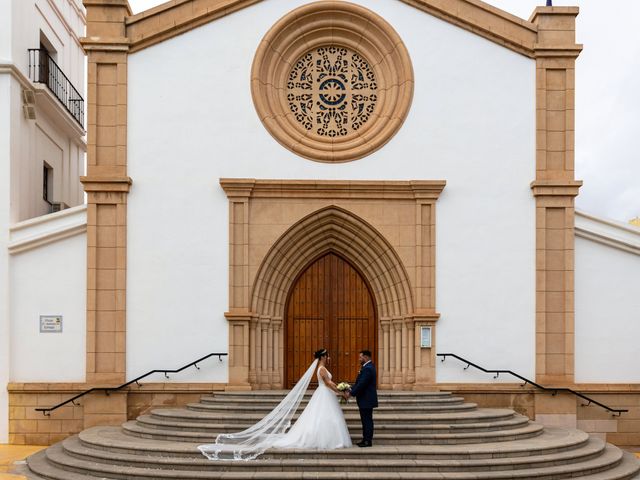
(364, 443)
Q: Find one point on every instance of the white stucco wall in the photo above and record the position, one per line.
(5, 142)
(49, 280)
(191, 121)
(5, 30)
(607, 319)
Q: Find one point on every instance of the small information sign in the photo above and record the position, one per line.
(50, 323)
(425, 337)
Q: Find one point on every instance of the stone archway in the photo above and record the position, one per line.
(331, 229)
(271, 244)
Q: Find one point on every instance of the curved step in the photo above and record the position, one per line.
(611, 459)
(249, 408)
(353, 424)
(387, 401)
(529, 430)
(75, 448)
(551, 440)
(397, 417)
(280, 394)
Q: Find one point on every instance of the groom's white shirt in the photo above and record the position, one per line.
(365, 363)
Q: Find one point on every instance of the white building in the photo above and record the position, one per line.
(42, 155)
(220, 193)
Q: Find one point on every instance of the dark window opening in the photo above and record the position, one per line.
(47, 182)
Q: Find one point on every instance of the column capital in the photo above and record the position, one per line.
(556, 32)
(94, 183)
(559, 188)
(106, 25)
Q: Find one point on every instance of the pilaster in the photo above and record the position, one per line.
(555, 189)
(107, 186)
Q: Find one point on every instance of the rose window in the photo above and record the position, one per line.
(332, 91)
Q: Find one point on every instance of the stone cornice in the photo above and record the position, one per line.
(562, 188)
(352, 189)
(485, 20)
(606, 232)
(109, 3)
(109, 44)
(106, 184)
(573, 11)
(173, 18)
(40, 231)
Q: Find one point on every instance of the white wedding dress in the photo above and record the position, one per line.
(320, 426)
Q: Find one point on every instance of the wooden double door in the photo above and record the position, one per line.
(330, 306)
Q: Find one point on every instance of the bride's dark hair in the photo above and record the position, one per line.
(321, 353)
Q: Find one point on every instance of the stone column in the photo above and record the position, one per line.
(554, 189)
(385, 357)
(241, 327)
(107, 185)
(397, 337)
(405, 352)
(263, 375)
(239, 331)
(252, 352)
(409, 327)
(422, 369)
(276, 378)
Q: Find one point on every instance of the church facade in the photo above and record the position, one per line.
(267, 178)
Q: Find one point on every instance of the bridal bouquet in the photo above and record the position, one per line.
(343, 386)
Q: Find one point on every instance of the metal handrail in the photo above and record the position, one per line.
(108, 390)
(43, 69)
(617, 412)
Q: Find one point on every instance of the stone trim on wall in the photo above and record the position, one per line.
(385, 228)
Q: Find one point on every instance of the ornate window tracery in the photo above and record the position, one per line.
(332, 91)
(332, 81)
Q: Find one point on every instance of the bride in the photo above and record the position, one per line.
(320, 426)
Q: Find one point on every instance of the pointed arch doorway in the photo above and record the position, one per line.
(329, 306)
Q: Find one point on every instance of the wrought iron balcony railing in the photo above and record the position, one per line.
(42, 69)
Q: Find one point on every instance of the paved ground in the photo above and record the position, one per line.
(14, 453)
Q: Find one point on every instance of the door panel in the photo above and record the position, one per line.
(330, 306)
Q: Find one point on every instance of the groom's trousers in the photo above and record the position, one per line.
(366, 416)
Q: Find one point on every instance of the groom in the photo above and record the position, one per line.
(365, 392)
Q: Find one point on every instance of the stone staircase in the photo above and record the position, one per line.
(432, 435)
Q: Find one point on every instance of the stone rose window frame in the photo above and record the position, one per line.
(332, 24)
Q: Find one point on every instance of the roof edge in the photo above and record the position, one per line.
(175, 17)
(608, 232)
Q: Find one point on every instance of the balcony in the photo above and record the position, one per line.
(42, 69)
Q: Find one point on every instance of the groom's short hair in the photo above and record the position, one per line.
(366, 353)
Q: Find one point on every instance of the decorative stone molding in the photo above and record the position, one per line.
(302, 81)
(277, 227)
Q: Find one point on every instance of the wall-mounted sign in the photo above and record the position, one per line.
(50, 323)
(425, 337)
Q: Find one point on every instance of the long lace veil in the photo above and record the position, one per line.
(253, 441)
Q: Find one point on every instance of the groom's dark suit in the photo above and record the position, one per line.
(365, 392)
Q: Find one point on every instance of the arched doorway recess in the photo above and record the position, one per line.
(393, 250)
(329, 306)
